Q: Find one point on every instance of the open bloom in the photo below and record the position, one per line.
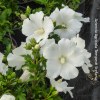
(80, 43)
(37, 26)
(7, 97)
(69, 19)
(3, 67)
(61, 86)
(16, 59)
(62, 59)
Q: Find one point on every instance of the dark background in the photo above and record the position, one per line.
(86, 88)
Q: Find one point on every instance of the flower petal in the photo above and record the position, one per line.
(53, 68)
(79, 17)
(35, 22)
(15, 61)
(76, 58)
(28, 27)
(45, 44)
(3, 68)
(79, 42)
(48, 25)
(37, 18)
(52, 52)
(66, 47)
(21, 50)
(69, 72)
(67, 13)
(85, 68)
(54, 14)
(25, 76)
(61, 86)
(7, 97)
(72, 28)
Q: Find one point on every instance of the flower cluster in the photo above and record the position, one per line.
(56, 37)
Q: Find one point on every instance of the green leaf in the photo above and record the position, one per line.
(5, 14)
(60, 27)
(41, 1)
(28, 11)
(21, 96)
(74, 4)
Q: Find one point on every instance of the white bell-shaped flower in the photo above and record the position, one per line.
(26, 74)
(7, 97)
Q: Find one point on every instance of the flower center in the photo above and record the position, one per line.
(62, 60)
(40, 31)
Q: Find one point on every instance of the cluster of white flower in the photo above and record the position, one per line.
(63, 57)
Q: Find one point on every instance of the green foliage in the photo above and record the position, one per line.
(49, 5)
(36, 88)
(5, 25)
(8, 45)
(28, 11)
(74, 4)
(7, 11)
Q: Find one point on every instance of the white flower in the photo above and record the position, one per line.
(16, 59)
(37, 26)
(87, 63)
(26, 75)
(7, 97)
(62, 59)
(69, 19)
(61, 86)
(79, 17)
(3, 67)
(80, 43)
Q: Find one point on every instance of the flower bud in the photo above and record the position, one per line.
(37, 46)
(23, 16)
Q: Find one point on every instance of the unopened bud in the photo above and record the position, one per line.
(23, 16)
(37, 46)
